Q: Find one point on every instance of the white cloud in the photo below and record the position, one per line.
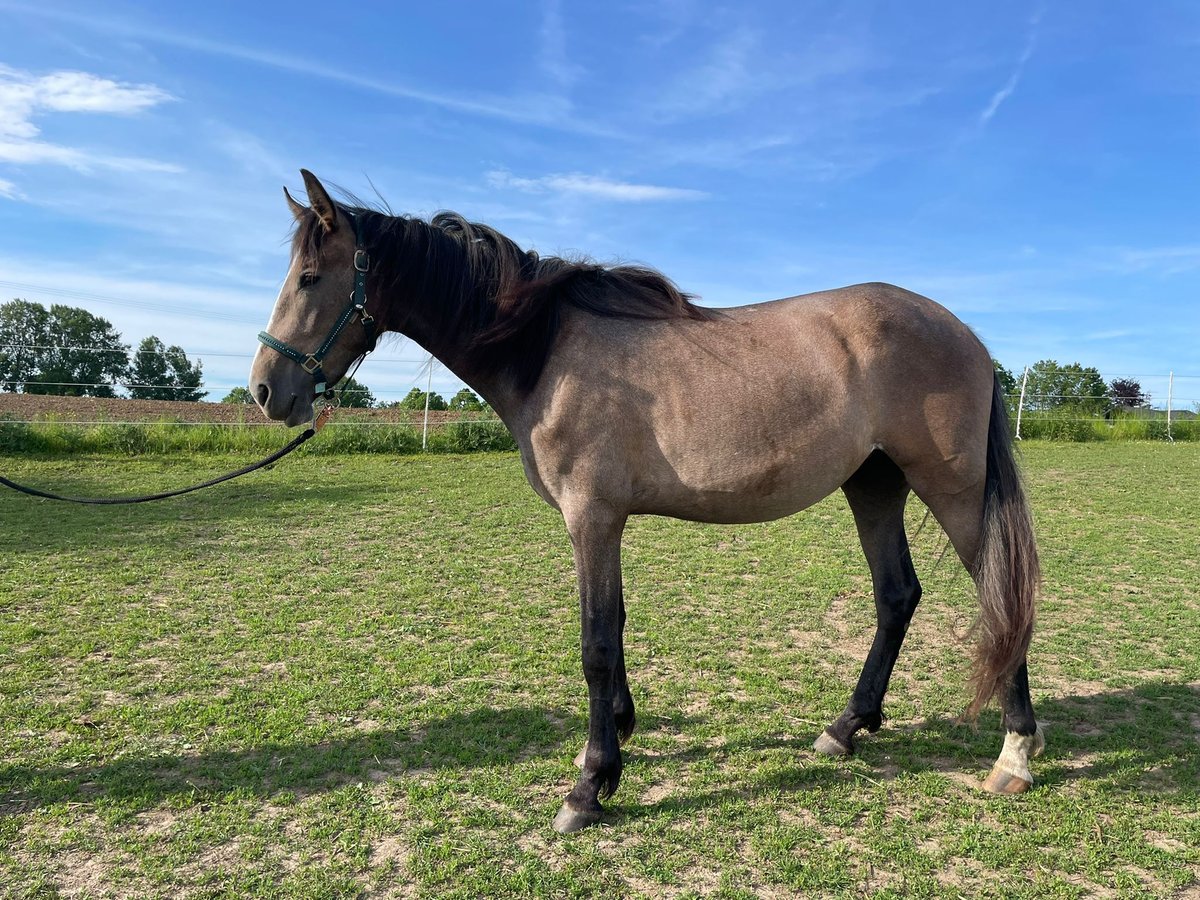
(592, 186)
(8, 189)
(25, 96)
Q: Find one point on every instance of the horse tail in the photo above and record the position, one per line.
(1006, 569)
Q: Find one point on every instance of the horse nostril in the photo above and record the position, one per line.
(262, 394)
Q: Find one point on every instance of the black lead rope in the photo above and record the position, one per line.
(229, 476)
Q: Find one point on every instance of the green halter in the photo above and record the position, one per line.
(311, 362)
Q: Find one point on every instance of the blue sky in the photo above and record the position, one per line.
(1032, 166)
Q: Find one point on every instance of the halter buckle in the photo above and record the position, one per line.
(321, 417)
(362, 261)
(311, 364)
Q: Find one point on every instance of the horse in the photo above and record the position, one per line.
(604, 375)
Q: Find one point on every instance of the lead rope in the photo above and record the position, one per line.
(319, 421)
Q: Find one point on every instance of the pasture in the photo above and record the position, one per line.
(358, 674)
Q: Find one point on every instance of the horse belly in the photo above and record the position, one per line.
(748, 484)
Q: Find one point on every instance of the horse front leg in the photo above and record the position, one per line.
(596, 537)
(623, 708)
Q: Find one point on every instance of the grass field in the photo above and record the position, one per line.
(359, 675)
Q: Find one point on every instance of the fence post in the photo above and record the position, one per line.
(1170, 394)
(1021, 402)
(428, 391)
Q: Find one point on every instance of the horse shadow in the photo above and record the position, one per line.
(1137, 741)
(1140, 740)
(161, 524)
(471, 739)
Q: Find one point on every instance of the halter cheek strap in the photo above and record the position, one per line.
(311, 362)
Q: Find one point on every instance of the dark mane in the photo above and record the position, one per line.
(501, 304)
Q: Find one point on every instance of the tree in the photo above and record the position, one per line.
(164, 373)
(1008, 385)
(238, 395)
(466, 400)
(1052, 386)
(415, 399)
(1126, 393)
(354, 393)
(24, 335)
(63, 350)
(1007, 382)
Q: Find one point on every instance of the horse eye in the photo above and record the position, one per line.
(308, 279)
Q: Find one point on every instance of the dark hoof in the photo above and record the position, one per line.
(570, 819)
(829, 745)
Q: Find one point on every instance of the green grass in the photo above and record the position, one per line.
(1073, 424)
(56, 438)
(359, 675)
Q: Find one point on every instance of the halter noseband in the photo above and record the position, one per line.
(311, 362)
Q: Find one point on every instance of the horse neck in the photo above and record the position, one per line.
(418, 308)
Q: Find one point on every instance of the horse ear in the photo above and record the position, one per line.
(297, 208)
(320, 201)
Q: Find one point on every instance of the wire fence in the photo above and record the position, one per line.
(418, 368)
(1080, 404)
(1150, 405)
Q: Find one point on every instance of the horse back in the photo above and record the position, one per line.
(755, 413)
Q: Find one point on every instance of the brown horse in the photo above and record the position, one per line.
(600, 374)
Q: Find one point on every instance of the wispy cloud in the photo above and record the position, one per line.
(1111, 335)
(724, 78)
(1171, 260)
(592, 186)
(8, 190)
(1014, 78)
(554, 57)
(25, 96)
(537, 109)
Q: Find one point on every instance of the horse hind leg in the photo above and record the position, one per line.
(877, 493)
(1023, 739)
(992, 533)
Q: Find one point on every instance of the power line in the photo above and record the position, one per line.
(117, 301)
(345, 421)
(196, 353)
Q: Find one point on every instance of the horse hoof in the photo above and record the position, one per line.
(1002, 782)
(829, 745)
(570, 819)
(580, 757)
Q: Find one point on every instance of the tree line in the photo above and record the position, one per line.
(69, 351)
(353, 393)
(1052, 386)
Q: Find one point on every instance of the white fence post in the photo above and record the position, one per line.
(428, 391)
(1021, 402)
(1170, 395)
